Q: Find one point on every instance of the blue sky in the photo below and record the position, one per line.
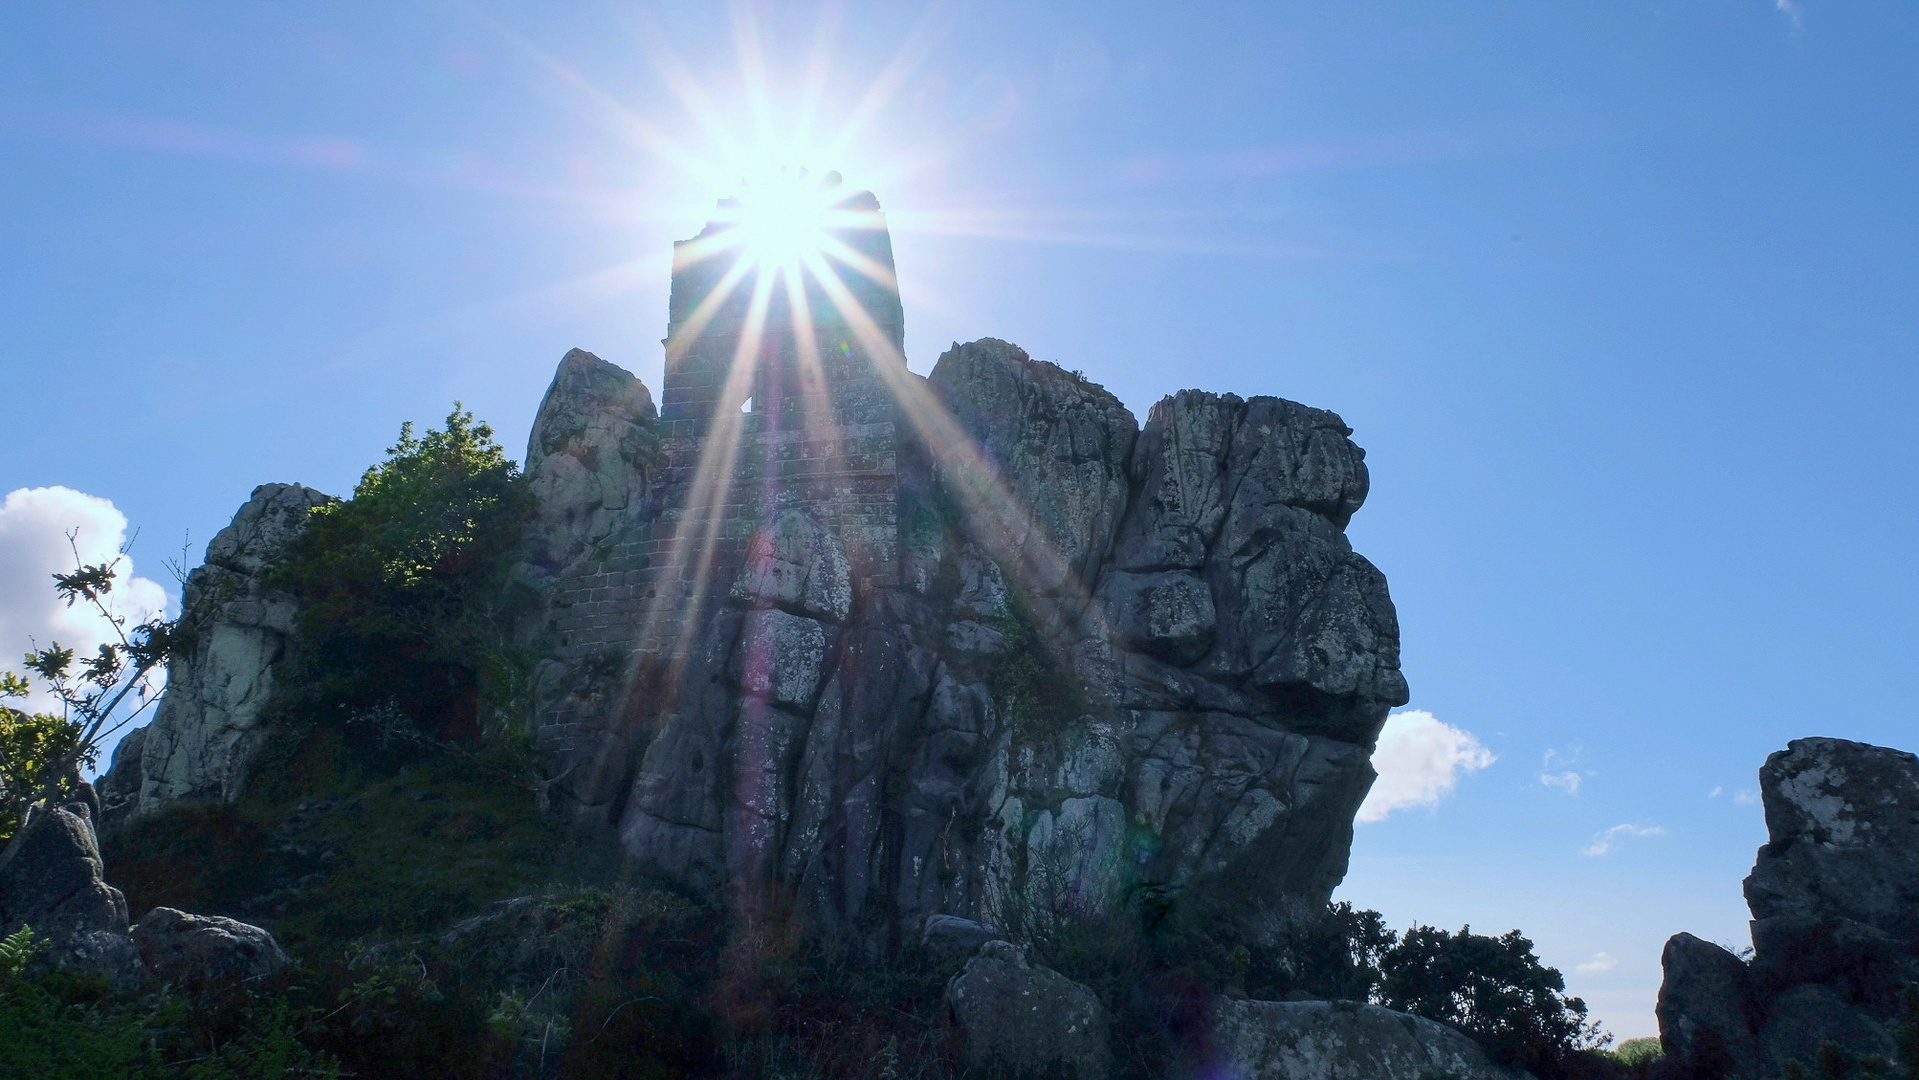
(1618, 297)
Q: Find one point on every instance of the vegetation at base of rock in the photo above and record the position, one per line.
(404, 588)
(1156, 963)
(1492, 988)
(360, 860)
(54, 1023)
(339, 836)
(41, 754)
(34, 748)
(1637, 1054)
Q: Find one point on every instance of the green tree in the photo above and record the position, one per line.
(405, 597)
(41, 754)
(1492, 988)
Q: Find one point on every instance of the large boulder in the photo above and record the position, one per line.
(208, 724)
(1706, 1009)
(205, 950)
(1028, 1020)
(1834, 895)
(1835, 892)
(54, 885)
(1341, 1040)
(589, 458)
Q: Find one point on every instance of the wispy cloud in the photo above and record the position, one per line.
(1600, 962)
(1745, 798)
(1419, 761)
(1793, 13)
(1605, 842)
(1567, 781)
(1715, 792)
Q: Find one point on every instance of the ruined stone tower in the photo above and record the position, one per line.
(789, 407)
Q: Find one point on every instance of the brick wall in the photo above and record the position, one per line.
(821, 435)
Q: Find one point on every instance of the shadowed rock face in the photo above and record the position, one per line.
(1102, 657)
(1835, 902)
(878, 647)
(54, 886)
(588, 462)
(195, 951)
(1012, 679)
(207, 725)
(1027, 1020)
(1342, 1040)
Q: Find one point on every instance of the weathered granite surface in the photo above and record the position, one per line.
(1835, 902)
(1025, 1019)
(883, 647)
(207, 725)
(1340, 1040)
(54, 885)
(1107, 657)
(204, 950)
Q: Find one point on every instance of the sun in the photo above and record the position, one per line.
(783, 218)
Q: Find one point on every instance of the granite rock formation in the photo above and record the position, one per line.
(1835, 903)
(54, 885)
(204, 950)
(1341, 1040)
(830, 641)
(1028, 1020)
(208, 723)
(1169, 672)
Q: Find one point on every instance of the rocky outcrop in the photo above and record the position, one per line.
(1023, 1019)
(869, 647)
(1706, 1010)
(195, 951)
(54, 885)
(1108, 657)
(589, 460)
(208, 723)
(1835, 902)
(1340, 1040)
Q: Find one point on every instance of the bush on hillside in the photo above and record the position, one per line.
(404, 588)
(1494, 989)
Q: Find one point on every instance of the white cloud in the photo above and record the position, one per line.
(1419, 761)
(1793, 12)
(1600, 962)
(1745, 798)
(1715, 792)
(1566, 781)
(1605, 842)
(34, 525)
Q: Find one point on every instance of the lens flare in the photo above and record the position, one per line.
(783, 217)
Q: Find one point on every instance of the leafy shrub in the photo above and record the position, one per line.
(35, 751)
(1638, 1054)
(56, 1024)
(1492, 988)
(404, 588)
